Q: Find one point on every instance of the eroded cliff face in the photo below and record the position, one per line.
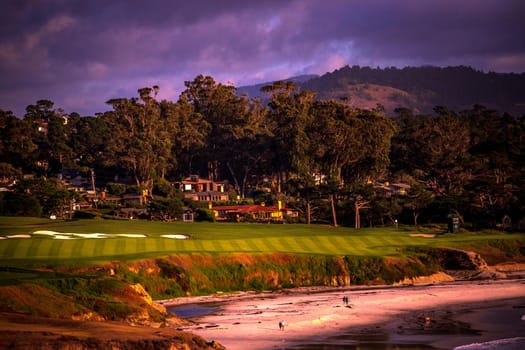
(194, 274)
(457, 259)
(465, 265)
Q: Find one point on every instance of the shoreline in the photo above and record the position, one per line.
(442, 315)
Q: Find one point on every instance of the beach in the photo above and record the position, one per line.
(433, 316)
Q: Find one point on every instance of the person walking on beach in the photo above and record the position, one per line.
(282, 324)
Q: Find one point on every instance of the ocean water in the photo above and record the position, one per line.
(193, 310)
(517, 343)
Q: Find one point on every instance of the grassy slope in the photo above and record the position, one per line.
(211, 238)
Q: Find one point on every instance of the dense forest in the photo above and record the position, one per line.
(331, 161)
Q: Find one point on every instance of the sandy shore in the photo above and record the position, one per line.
(443, 316)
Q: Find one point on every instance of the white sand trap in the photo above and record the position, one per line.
(72, 235)
(426, 235)
(176, 236)
(62, 237)
(89, 235)
(46, 233)
(19, 236)
(131, 235)
(2, 237)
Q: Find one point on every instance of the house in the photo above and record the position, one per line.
(197, 189)
(75, 180)
(253, 213)
(133, 200)
(394, 189)
(188, 215)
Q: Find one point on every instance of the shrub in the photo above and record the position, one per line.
(204, 215)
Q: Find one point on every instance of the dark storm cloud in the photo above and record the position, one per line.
(81, 53)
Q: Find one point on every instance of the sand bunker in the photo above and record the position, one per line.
(71, 235)
(175, 236)
(426, 235)
(96, 235)
(131, 235)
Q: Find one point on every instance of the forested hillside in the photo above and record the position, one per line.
(417, 88)
(422, 88)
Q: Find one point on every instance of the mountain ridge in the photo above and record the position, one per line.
(418, 89)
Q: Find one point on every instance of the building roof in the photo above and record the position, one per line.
(252, 208)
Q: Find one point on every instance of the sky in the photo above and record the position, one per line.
(81, 53)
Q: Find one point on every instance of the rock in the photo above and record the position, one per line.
(434, 278)
(139, 289)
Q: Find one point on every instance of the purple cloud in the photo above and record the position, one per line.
(81, 53)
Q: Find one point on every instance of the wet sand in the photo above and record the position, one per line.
(440, 316)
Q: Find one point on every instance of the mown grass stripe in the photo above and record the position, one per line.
(67, 247)
(286, 244)
(121, 247)
(235, 247)
(207, 245)
(404, 240)
(111, 247)
(217, 245)
(271, 246)
(182, 246)
(250, 243)
(365, 247)
(341, 244)
(88, 248)
(192, 245)
(199, 245)
(149, 245)
(160, 244)
(43, 249)
(33, 248)
(305, 244)
(99, 247)
(3, 247)
(227, 245)
(140, 245)
(324, 245)
(78, 247)
(167, 245)
(365, 242)
(338, 245)
(54, 249)
(12, 248)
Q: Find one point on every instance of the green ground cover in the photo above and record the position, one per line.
(211, 238)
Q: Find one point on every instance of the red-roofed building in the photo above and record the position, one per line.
(253, 212)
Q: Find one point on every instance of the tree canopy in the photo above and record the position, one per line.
(328, 160)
